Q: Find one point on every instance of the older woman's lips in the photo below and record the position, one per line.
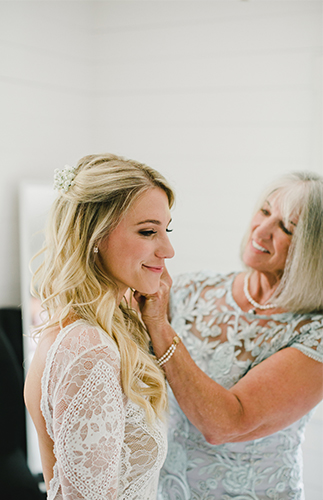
(258, 247)
(154, 269)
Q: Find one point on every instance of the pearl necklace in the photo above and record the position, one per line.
(250, 299)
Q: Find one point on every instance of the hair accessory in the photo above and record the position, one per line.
(64, 178)
(170, 351)
(96, 249)
(250, 299)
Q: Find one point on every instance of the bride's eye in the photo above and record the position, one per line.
(147, 232)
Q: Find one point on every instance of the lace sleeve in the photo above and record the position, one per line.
(88, 426)
(310, 339)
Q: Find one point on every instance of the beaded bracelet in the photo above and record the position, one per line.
(170, 351)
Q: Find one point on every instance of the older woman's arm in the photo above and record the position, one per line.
(271, 396)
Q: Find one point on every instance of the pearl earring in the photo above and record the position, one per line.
(96, 249)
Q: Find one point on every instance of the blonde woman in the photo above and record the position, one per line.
(249, 367)
(95, 393)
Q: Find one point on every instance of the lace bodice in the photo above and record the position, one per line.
(226, 342)
(104, 447)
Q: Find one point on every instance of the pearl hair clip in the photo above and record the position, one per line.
(64, 178)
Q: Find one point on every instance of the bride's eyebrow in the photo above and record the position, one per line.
(149, 221)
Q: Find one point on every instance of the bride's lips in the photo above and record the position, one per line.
(154, 269)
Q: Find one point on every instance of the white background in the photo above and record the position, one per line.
(220, 96)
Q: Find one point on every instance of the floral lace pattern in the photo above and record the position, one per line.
(226, 342)
(104, 447)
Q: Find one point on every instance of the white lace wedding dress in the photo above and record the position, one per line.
(103, 445)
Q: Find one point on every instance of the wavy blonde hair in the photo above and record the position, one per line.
(70, 281)
(299, 194)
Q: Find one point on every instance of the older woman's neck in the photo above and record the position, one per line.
(263, 285)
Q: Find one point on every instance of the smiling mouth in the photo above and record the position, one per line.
(154, 269)
(258, 247)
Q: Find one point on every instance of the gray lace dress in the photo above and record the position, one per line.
(226, 342)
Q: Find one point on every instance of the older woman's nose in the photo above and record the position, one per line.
(265, 229)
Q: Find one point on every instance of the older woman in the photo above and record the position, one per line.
(244, 355)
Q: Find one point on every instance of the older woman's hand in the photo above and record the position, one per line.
(154, 313)
(154, 308)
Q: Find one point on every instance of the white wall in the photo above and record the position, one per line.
(220, 96)
(46, 117)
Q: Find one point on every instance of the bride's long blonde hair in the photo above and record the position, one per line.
(70, 281)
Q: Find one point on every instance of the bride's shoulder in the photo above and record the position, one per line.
(44, 342)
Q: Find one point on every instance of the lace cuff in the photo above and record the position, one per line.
(311, 353)
(310, 339)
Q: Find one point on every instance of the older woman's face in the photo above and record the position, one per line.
(269, 241)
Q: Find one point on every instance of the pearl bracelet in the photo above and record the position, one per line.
(170, 351)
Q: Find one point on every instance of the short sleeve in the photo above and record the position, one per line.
(88, 408)
(310, 339)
